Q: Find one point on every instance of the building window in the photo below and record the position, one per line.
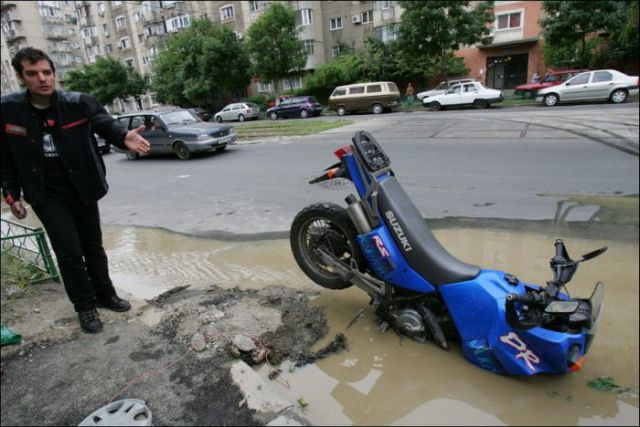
(226, 13)
(295, 81)
(388, 33)
(385, 4)
(175, 24)
(120, 22)
(264, 87)
(367, 17)
(101, 8)
(136, 17)
(307, 17)
(335, 23)
(509, 20)
(109, 48)
(105, 29)
(254, 6)
(308, 47)
(124, 43)
(116, 3)
(335, 51)
(129, 62)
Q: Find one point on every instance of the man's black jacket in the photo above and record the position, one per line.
(77, 116)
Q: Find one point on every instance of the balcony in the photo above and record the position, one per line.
(510, 35)
(48, 19)
(10, 16)
(15, 33)
(91, 41)
(55, 33)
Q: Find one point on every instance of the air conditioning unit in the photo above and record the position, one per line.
(355, 19)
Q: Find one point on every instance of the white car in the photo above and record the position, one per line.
(471, 93)
(441, 88)
(598, 85)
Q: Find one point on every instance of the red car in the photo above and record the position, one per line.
(552, 79)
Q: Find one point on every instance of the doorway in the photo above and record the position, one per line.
(507, 72)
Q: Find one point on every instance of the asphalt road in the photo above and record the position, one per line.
(495, 163)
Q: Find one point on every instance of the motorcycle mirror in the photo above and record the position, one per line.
(593, 254)
(562, 307)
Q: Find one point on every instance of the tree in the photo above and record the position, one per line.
(273, 44)
(107, 79)
(569, 23)
(199, 65)
(431, 31)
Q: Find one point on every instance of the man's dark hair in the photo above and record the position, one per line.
(32, 56)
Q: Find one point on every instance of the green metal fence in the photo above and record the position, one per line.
(31, 247)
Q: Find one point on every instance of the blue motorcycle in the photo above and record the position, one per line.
(381, 244)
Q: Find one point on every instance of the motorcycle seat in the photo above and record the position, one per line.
(413, 236)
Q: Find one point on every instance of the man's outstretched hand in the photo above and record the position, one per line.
(135, 142)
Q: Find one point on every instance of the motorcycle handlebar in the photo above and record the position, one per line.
(524, 299)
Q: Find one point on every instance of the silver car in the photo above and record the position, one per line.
(240, 111)
(598, 85)
(178, 131)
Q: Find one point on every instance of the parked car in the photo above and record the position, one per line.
(470, 93)
(240, 111)
(441, 88)
(376, 97)
(178, 131)
(552, 79)
(277, 100)
(604, 85)
(202, 114)
(296, 106)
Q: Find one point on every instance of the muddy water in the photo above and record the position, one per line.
(385, 380)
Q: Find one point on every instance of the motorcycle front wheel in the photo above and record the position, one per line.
(328, 227)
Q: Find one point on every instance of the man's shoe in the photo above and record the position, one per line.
(90, 321)
(114, 303)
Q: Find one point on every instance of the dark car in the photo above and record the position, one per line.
(202, 114)
(178, 131)
(296, 106)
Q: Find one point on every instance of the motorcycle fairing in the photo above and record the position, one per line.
(477, 308)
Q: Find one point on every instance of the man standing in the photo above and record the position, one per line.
(48, 156)
(409, 94)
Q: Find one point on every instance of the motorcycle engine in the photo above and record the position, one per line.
(409, 322)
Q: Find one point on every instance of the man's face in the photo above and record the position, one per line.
(38, 77)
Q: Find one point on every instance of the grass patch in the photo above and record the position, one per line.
(265, 129)
(15, 271)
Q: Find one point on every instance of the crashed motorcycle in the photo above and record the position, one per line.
(381, 243)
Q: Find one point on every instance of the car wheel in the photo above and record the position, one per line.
(481, 103)
(342, 111)
(219, 119)
(132, 155)
(181, 150)
(377, 109)
(550, 100)
(273, 115)
(241, 117)
(435, 106)
(304, 113)
(618, 96)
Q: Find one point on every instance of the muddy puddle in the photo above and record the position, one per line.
(384, 380)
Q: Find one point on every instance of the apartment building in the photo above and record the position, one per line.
(47, 25)
(77, 32)
(515, 50)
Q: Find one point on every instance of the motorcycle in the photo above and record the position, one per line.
(381, 243)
